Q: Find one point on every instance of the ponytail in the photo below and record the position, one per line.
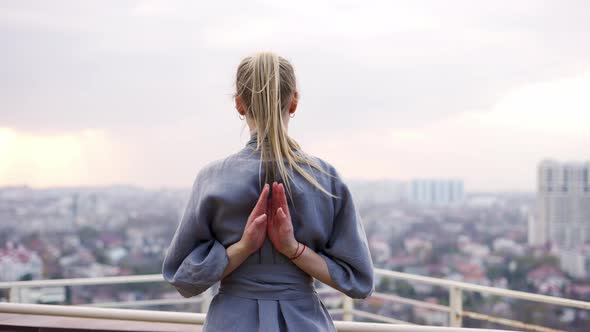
(266, 84)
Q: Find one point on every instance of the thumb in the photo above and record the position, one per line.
(259, 224)
(260, 220)
(284, 222)
(281, 214)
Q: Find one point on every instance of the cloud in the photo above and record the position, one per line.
(71, 65)
(137, 71)
(492, 150)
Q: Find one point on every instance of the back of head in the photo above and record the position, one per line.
(266, 85)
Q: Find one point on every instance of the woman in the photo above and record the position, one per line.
(266, 240)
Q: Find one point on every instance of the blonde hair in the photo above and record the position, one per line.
(265, 83)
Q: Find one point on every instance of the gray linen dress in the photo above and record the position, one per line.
(267, 292)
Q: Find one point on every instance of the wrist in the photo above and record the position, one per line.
(292, 249)
(243, 248)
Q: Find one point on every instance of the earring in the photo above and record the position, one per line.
(292, 115)
(241, 117)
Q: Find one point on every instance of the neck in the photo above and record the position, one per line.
(254, 131)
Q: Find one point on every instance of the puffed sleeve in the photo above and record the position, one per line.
(195, 260)
(347, 252)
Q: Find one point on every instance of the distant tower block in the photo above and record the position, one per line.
(563, 205)
(438, 192)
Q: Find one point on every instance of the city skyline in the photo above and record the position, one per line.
(100, 94)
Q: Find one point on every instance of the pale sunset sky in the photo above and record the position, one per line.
(140, 92)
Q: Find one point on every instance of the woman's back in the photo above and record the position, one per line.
(224, 193)
(234, 185)
(269, 285)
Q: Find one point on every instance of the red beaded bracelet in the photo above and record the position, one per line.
(296, 250)
(297, 255)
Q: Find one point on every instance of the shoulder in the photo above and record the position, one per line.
(324, 165)
(329, 175)
(212, 170)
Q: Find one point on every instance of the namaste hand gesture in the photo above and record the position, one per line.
(279, 227)
(272, 218)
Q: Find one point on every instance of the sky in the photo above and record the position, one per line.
(140, 92)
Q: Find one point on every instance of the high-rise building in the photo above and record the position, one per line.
(576, 262)
(563, 205)
(438, 192)
(377, 191)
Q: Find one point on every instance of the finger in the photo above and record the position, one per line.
(275, 197)
(274, 203)
(281, 216)
(283, 199)
(269, 220)
(284, 222)
(261, 205)
(275, 194)
(259, 222)
(282, 196)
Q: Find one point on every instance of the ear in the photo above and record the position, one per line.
(294, 101)
(240, 107)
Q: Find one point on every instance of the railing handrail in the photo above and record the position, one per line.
(84, 281)
(487, 289)
(199, 318)
(454, 309)
(399, 275)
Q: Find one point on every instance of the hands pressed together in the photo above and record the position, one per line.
(270, 217)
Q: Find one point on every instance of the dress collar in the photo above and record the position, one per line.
(253, 141)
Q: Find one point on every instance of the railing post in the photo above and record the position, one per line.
(14, 295)
(347, 308)
(456, 305)
(207, 297)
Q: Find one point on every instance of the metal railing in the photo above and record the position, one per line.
(197, 318)
(455, 310)
(455, 307)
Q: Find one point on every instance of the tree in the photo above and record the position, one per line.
(404, 289)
